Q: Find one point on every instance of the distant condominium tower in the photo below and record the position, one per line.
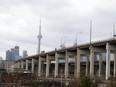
(13, 53)
(25, 53)
(8, 55)
(16, 52)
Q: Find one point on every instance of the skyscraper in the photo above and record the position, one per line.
(8, 55)
(16, 52)
(25, 53)
(12, 54)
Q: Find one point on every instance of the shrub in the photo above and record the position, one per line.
(85, 81)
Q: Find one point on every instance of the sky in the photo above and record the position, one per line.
(61, 21)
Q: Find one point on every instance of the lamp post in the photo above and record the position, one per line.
(90, 30)
(62, 44)
(75, 44)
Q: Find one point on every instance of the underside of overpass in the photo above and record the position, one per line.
(97, 59)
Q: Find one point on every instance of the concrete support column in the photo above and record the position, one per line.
(47, 65)
(22, 64)
(18, 64)
(39, 66)
(107, 61)
(56, 65)
(91, 61)
(100, 65)
(78, 63)
(115, 64)
(32, 65)
(27, 63)
(75, 69)
(66, 64)
(87, 66)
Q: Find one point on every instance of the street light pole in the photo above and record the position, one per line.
(75, 44)
(90, 30)
(62, 44)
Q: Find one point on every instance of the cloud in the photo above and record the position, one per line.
(19, 22)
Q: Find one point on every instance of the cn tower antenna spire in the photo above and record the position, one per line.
(114, 31)
(39, 38)
(40, 26)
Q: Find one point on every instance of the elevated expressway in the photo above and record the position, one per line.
(57, 65)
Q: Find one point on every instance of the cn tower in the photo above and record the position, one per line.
(39, 38)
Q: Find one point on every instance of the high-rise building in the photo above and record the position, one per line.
(16, 52)
(13, 54)
(1, 58)
(8, 55)
(25, 53)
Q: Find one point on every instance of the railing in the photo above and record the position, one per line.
(51, 75)
(58, 78)
(71, 76)
(42, 74)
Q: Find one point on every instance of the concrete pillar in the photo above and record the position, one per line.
(18, 64)
(66, 64)
(87, 66)
(39, 66)
(107, 61)
(27, 63)
(47, 65)
(78, 63)
(75, 69)
(100, 65)
(115, 64)
(32, 65)
(56, 65)
(91, 61)
(22, 64)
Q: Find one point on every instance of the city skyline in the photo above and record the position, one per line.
(19, 23)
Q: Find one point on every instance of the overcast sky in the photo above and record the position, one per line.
(61, 20)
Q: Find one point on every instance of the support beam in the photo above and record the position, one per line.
(112, 47)
(47, 65)
(100, 64)
(84, 52)
(32, 65)
(39, 66)
(56, 65)
(115, 64)
(22, 64)
(91, 61)
(27, 63)
(99, 49)
(71, 53)
(66, 64)
(107, 61)
(18, 64)
(75, 68)
(87, 66)
(78, 63)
